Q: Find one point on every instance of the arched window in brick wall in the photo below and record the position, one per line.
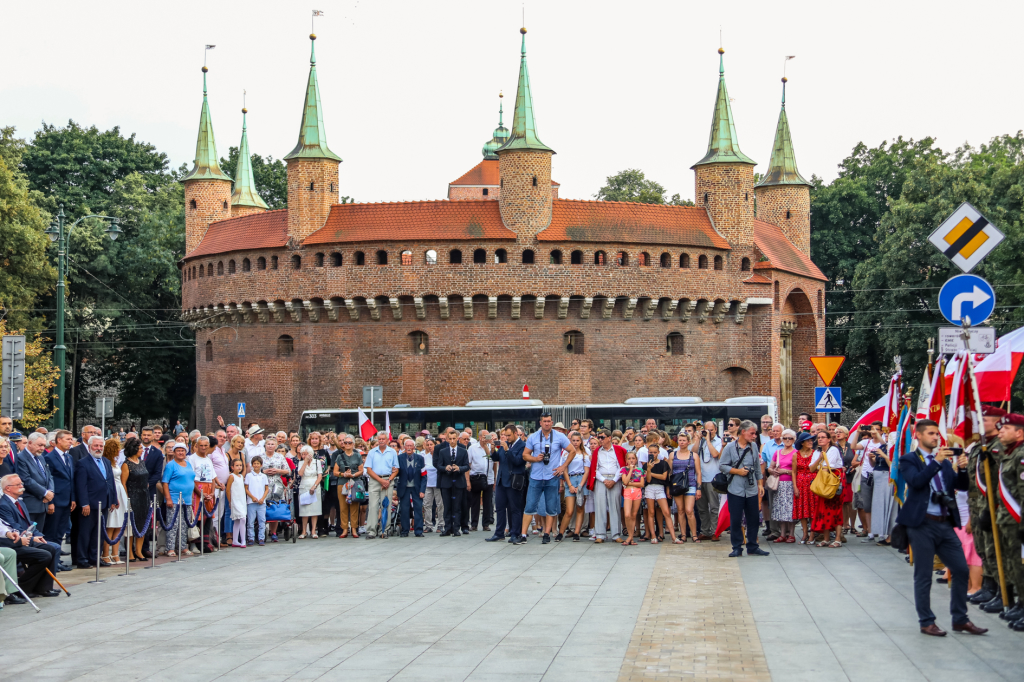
(485, 191)
(674, 343)
(666, 260)
(702, 262)
(431, 257)
(480, 256)
(556, 257)
(335, 260)
(455, 257)
(644, 259)
(231, 266)
(622, 259)
(246, 265)
(318, 260)
(684, 260)
(528, 257)
(220, 268)
(296, 262)
(261, 263)
(360, 258)
(745, 265)
(285, 346)
(500, 256)
(192, 204)
(407, 257)
(600, 258)
(209, 351)
(718, 262)
(273, 262)
(420, 343)
(573, 342)
(576, 258)
(382, 257)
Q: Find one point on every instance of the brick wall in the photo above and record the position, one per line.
(239, 211)
(212, 201)
(525, 208)
(730, 199)
(789, 207)
(308, 209)
(462, 192)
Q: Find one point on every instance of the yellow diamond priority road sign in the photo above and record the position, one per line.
(966, 237)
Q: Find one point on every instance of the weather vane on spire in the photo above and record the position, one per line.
(788, 57)
(312, 21)
(208, 48)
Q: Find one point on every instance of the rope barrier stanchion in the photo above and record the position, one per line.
(181, 510)
(202, 511)
(99, 545)
(152, 544)
(128, 519)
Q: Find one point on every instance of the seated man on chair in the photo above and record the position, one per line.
(31, 548)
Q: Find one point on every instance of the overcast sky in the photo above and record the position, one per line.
(410, 89)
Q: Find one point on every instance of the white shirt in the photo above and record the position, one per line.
(256, 483)
(868, 446)
(477, 460)
(835, 457)
(579, 463)
(203, 468)
(428, 460)
(252, 450)
(709, 466)
(607, 465)
(644, 455)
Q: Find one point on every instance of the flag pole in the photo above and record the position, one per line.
(986, 458)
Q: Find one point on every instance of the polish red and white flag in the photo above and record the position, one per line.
(872, 414)
(366, 430)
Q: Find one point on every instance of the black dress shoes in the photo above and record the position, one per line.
(981, 596)
(494, 538)
(457, 534)
(444, 534)
(1016, 613)
(994, 605)
(14, 599)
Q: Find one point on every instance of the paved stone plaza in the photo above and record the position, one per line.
(461, 609)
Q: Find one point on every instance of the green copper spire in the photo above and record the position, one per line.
(500, 135)
(782, 168)
(312, 137)
(206, 165)
(245, 193)
(524, 127)
(723, 145)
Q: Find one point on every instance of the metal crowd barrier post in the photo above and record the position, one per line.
(152, 543)
(99, 546)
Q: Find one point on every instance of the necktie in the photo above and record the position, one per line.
(103, 471)
(39, 463)
(20, 510)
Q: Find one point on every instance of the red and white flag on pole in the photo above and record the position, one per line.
(872, 414)
(963, 416)
(387, 424)
(937, 405)
(924, 397)
(366, 430)
(893, 402)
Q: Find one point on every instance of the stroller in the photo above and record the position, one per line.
(389, 518)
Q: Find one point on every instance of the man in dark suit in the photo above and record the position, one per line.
(37, 479)
(94, 486)
(8, 457)
(36, 554)
(452, 462)
(78, 453)
(929, 514)
(62, 468)
(411, 487)
(153, 457)
(511, 472)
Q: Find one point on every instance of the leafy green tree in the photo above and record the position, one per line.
(632, 185)
(270, 175)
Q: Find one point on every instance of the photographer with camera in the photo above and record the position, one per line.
(741, 464)
(930, 514)
(709, 450)
(544, 449)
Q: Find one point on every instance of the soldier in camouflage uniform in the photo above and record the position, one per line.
(1011, 434)
(978, 505)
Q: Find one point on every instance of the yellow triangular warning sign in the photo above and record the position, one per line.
(828, 366)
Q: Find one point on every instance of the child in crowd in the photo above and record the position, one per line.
(632, 492)
(238, 502)
(256, 489)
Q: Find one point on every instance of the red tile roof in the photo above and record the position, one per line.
(484, 173)
(782, 253)
(622, 221)
(419, 220)
(757, 279)
(266, 230)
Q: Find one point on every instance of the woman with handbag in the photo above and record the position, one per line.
(842, 436)
(827, 509)
(804, 445)
(685, 486)
(275, 466)
(309, 475)
(783, 469)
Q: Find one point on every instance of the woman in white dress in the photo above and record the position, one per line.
(115, 517)
(311, 474)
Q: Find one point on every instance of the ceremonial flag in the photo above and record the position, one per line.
(924, 397)
(891, 416)
(366, 429)
(937, 405)
(962, 412)
(904, 440)
(995, 372)
(872, 414)
(387, 424)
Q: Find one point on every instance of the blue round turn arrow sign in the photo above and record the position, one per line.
(967, 296)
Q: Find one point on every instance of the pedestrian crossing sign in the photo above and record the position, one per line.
(966, 237)
(241, 409)
(828, 399)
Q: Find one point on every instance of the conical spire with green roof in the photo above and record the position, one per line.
(500, 135)
(245, 193)
(782, 168)
(524, 126)
(206, 167)
(723, 144)
(312, 142)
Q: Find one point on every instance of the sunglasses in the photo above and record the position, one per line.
(788, 438)
(601, 437)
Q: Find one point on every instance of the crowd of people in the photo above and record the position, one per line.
(760, 481)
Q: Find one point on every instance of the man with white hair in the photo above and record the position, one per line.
(37, 479)
(96, 495)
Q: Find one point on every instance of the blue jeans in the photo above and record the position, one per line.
(542, 497)
(256, 511)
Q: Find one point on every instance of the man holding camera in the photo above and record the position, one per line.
(709, 450)
(929, 514)
(742, 464)
(544, 449)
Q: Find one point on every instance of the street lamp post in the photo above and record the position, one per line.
(58, 233)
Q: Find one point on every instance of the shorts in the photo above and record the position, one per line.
(632, 493)
(576, 480)
(542, 498)
(691, 491)
(655, 492)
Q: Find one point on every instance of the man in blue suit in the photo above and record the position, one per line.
(929, 514)
(32, 548)
(62, 468)
(94, 485)
(507, 497)
(411, 487)
(37, 479)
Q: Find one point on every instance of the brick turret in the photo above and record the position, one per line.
(207, 188)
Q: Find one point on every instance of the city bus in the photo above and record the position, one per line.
(671, 413)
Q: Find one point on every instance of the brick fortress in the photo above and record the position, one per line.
(501, 284)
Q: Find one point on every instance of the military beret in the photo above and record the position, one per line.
(1012, 420)
(992, 411)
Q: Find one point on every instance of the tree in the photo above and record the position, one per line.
(632, 185)
(40, 380)
(270, 175)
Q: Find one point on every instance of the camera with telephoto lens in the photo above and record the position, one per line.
(947, 501)
(547, 454)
